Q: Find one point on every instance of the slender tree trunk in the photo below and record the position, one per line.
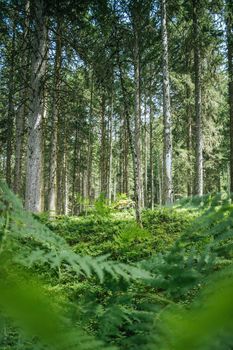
(78, 181)
(90, 144)
(189, 128)
(126, 161)
(74, 172)
(60, 157)
(189, 148)
(137, 125)
(145, 159)
(103, 170)
(151, 151)
(23, 108)
(66, 186)
(43, 168)
(110, 155)
(34, 152)
(167, 120)
(65, 176)
(52, 200)
(198, 105)
(121, 157)
(160, 179)
(131, 144)
(10, 114)
(229, 27)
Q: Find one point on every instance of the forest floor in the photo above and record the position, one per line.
(117, 282)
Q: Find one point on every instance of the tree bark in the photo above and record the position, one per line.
(229, 29)
(74, 171)
(145, 139)
(126, 160)
(10, 114)
(198, 105)
(137, 124)
(34, 151)
(151, 147)
(103, 150)
(90, 142)
(167, 120)
(131, 143)
(23, 108)
(52, 198)
(43, 168)
(110, 154)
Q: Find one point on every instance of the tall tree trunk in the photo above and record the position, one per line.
(10, 114)
(137, 124)
(229, 27)
(60, 157)
(189, 120)
(34, 152)
(52, 198)
(23, 108)
(103, 151)
(131, 143)
(43, 168)
(90, 143)
(65, 186)
(145, 139)
(151, 147)
(121, 157)
(189, 148)
(126, 160)
(74, 171)
(110, 154)
(160, 179)
(167, 120)
(198, 105)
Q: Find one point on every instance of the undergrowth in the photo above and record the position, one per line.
(101, 282)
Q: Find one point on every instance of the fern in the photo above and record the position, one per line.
(141, 306)
(34, 244)
(23, 298)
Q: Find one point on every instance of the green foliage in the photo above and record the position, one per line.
(123, 202)
(166, 225)
(101, 207)
(132, 233)
(208, 327)
(29, 244)
(53, 298)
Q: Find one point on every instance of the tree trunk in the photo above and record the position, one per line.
(167, 120)
(189, 148)
(160, 179)
(151, 149)
(103, 150)
(10, 114)
(145, 159)
(110, 154)
(90, 143)
(23, 109)
(34, 151)
(52, 198)
(126, 160)
(137, 125)
(131, 144)
(229, 28)
(43, 168)
(74, 171)
(66, 187)
(198, 105)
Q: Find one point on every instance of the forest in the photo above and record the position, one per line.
(116, 174)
